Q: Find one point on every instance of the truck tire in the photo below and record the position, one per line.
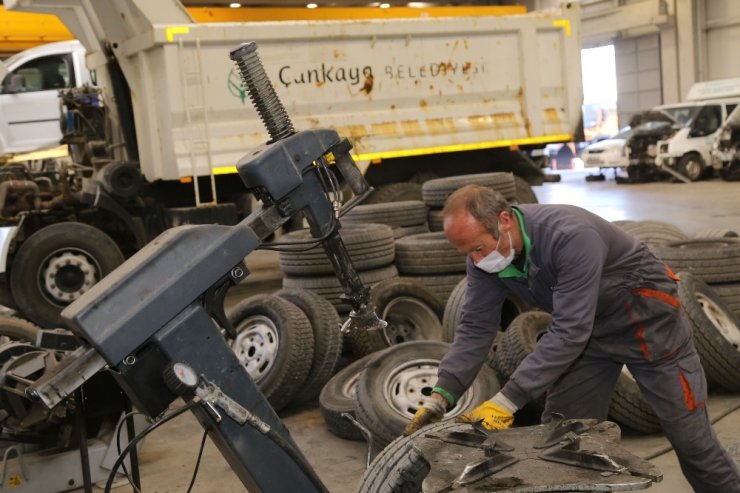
(394, 192)
(326, 336)
(717, 233)
(394, 214)
(513, 306)
(692, 166)
(524, 192)
(441, 285)
(436, 220)
(519, 340)
(330, 288)
(337, 398)
(716, 331)
(435, 192)
(17, 329)
(275, 344)
(653, 233)
(730, 293)
(713, 260)
(412, 311)
(392, 387)
(428, 253)
(369, 246)
(58, 263)
(629, 407)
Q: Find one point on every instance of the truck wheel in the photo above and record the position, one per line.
(17, 329)
(394, 192)
(691, 166)
(428, 253)
(629, 407)
(436, 191)
(274, 343)
(412, 311)
(712, 260)
(338, 398)
(56, 265)
(730, 293)
(442, 285)
(653, 233)
(392, 387)
(519, 340)
(524, 192)
(716, 331)
(326, 335)
(395, 214)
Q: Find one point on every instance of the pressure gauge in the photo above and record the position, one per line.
(180, 378)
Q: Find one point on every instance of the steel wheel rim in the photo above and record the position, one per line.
(409, 384)
(67, 274)
(256, 346)
(349, 388)
(721, 321)
(410, 319)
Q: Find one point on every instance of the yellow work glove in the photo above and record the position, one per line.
(491, 415)
(432, 411)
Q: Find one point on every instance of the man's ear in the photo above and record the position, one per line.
(505, 221)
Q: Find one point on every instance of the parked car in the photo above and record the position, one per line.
(608, 153)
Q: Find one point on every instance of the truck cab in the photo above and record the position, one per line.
(29, 102)
(688, 148)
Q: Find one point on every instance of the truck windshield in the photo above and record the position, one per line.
(684, 115)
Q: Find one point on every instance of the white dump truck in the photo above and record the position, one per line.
(156, 141)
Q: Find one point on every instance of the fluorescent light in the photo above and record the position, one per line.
(384, 5)
(235, 5)
(311, 5)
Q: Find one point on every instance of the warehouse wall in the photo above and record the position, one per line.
(694, 41)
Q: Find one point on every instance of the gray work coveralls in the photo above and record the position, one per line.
(612, 303)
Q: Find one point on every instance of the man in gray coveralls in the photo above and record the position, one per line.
(612, 303)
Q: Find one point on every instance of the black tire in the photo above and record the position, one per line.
(400, 468)
(330, 288)
(435, 192)
(275, 344)
(436, 220)
(58, 263)
(717, 233)
(369, 246)
(513, 306)
(712, 260)
(524, 192)
(441, 285)
(730, 293)
(653, 233)
(413, 313)
(428, 253)
(326, 336)
(629, 408)
(17, 329)
(337, 397)
(392, 388)
(395, 214)
(405, 231)
(716, 331)
(519, 340)
(394, 192)
(692, 166)
(6, 296)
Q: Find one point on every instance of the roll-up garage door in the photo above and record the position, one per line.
(638, 75)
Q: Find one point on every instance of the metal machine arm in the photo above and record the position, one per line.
(154, 317)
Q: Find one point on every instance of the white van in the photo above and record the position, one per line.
(688, 150)
(29, 102)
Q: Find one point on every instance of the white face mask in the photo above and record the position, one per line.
(495, 262)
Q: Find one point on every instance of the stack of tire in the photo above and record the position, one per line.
(382, 391)
(289, 342)
(406, 217)
(306, 266)
(436, 191)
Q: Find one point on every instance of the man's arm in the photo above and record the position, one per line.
(579, 261)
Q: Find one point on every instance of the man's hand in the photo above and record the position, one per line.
(494, 414)
(433, 410)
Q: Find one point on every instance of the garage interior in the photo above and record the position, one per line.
(661, 49)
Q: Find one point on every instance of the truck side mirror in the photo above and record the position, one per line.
(14, 83)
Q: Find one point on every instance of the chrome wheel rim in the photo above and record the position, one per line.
(67, 274)
(256, 345)
(410, 319)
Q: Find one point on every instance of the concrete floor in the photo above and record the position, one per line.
(169, 454)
